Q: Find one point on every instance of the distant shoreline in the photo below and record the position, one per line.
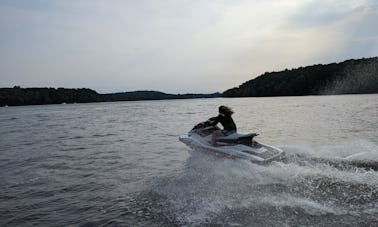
(349, 77)
(18, 96)
(135, 98)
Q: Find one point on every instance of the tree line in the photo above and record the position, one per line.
(348, 77)
(18, 96)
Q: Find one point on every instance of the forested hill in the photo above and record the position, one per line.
(348, 77)
(18, 96)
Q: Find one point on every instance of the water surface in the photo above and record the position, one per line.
(121, 164)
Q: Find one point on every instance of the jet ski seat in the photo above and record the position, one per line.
(237, 138)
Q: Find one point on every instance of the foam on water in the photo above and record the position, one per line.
(360, 150)
(213, 187)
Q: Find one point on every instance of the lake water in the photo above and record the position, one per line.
(121, 164)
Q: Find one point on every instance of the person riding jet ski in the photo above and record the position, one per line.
(229, 126)
(209, 138)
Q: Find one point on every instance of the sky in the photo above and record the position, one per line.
(176, 46)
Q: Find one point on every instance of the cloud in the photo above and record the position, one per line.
(340, 29)
(175, 46)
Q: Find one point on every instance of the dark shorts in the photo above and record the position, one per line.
(227, 133)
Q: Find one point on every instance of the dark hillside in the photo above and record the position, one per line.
(348, 77)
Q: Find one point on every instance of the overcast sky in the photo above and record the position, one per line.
(175, 46)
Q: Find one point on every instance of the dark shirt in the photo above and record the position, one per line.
(226, 121)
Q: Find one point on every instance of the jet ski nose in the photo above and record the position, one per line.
(184, 138)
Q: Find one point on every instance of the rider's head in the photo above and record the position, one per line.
(225, 110)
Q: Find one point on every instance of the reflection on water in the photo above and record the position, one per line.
(122, 164)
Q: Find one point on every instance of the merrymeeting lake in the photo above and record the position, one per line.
(121, 164)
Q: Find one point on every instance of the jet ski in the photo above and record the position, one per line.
(235, 145)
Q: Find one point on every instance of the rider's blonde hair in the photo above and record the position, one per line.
(225, 110)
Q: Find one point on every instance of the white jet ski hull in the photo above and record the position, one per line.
(257, 152)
